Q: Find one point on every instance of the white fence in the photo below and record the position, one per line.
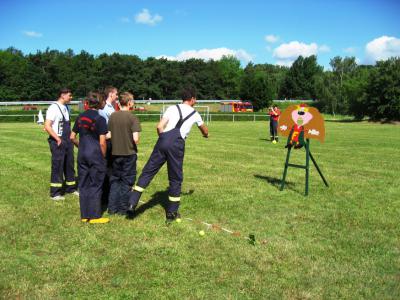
(217, 117)
(138, 101)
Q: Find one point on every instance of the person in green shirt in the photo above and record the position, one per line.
(124, 128)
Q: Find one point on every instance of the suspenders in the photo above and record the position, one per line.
(62, 112)
(181, 121)
(61, 126)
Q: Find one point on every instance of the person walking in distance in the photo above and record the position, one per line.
(172, 130)
(92, 130)
(58, 127)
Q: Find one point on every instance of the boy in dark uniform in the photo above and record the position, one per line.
(92, 130)
(173, 129)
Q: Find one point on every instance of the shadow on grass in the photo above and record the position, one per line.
(276, 182)
(158, 198)
(344, 121)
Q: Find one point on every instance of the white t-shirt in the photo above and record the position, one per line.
(172, 114)
(54, 114)
(107, 111)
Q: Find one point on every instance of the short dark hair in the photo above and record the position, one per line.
(108, 90)
(125, 98)
(188, 93)
(63, 91)
(94, 99)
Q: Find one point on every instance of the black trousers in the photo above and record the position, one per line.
(91, 172)
(123, 176)
(273, 129)
(170, 148)
(62, 167)
(106, 184)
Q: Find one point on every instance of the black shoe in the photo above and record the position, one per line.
(172, 216)
(130, 212)
(131, 208)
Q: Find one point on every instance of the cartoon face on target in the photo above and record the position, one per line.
(300, 122)
(301, 116)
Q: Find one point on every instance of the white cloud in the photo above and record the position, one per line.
(207, 54)
(33, 34)
(382, 48)
(271, 38)
(286, 54)
(144, 17)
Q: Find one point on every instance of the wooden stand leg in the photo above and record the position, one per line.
(307, 164)
(319, 171)
(285, 170)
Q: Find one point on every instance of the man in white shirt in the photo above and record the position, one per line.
(172, 130)
(111, 95)
(58, 127)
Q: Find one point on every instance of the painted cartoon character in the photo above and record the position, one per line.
(304, 122)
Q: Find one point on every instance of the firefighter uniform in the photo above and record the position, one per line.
(273, 124)
(170, 148)
(106, 112)
(91, 163)
(62, 156)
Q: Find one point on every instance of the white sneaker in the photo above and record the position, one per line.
(75, 193)
(58, 198)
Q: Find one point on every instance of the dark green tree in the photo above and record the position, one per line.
(343, 69)
(301, 79)
(383, 91)
(257, 87)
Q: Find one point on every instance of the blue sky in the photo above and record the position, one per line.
(274, 32)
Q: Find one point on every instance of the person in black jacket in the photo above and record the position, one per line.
(92, 129)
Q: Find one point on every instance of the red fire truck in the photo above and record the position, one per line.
(236, 106)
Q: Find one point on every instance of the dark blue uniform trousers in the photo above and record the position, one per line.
(123, 176)
(170, 148)
(91, 172)
(273, 128)
(62, 165)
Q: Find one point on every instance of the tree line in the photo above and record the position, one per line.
(348, 88)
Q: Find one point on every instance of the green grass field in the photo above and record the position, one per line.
(339, 242)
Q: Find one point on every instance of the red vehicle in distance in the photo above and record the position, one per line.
(236, 106)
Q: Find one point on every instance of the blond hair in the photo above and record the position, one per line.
(124, 98)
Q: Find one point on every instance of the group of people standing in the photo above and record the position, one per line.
(107, 152)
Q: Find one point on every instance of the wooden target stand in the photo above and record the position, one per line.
(306, 167)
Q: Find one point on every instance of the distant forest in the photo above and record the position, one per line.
(349, 88)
